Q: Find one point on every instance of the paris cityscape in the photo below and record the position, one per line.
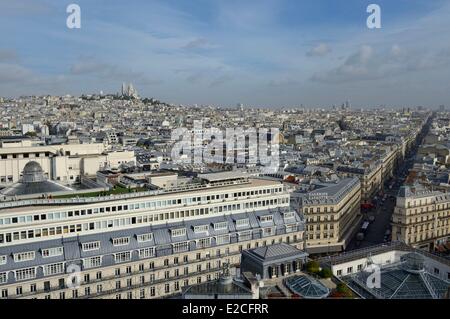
(114, 188)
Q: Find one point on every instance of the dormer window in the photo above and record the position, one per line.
(178, 232)
(288, 215)
(221, 226)
(266, 218)
(201, 229)
(121, 241)
(144, 237)
(25, 256)
(241, 223)
(93, 245)
(52, 252)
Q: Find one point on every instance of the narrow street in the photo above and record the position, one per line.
(379, 217)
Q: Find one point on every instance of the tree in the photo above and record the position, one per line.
(326, 273)
(343, 290)
(313, 266)
(31, 134)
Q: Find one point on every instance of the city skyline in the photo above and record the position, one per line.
(265, 53)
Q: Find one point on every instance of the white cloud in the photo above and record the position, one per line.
(321, 49)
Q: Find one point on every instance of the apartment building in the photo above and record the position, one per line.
(140, 245)
(63, 162)
(370, 178)
(332, 214)
(421, 217)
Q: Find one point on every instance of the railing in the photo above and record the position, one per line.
(104, 279)
(88, 200)
(145, 271)
(380, 248)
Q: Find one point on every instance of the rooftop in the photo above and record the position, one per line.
(407, 279)
(24, 205)
(307, 287)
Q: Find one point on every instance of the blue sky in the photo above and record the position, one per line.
(269, 53)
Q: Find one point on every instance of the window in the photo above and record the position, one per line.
(349, 270)
(3, 277)
(201, 229)
(53, 269)
(242, 223)
(144, 237)
(221, 226)
(92, 262)
(25, 274)
(147, 252)
(266, 219)
(291, 228)
(52, 252)
(203, 242)
(122, 257)
(178, 232)
(223, 239)
(288, 215)
(245, 235)
(180, 247)
(26, 256)
(121, 241)
(3, 260)
(93, 245)
(339, 272)
(268, 231)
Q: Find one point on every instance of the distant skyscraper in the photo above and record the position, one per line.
(347, 104)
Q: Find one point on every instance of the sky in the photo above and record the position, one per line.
(266, 53)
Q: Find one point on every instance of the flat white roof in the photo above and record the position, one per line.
(222, 176)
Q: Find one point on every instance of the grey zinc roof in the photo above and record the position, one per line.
(276, 251)
(330, 192)
(161, 238)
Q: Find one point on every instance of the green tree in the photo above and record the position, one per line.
(326, 273)
(313, 266)
(343, 289)
(31, 134)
